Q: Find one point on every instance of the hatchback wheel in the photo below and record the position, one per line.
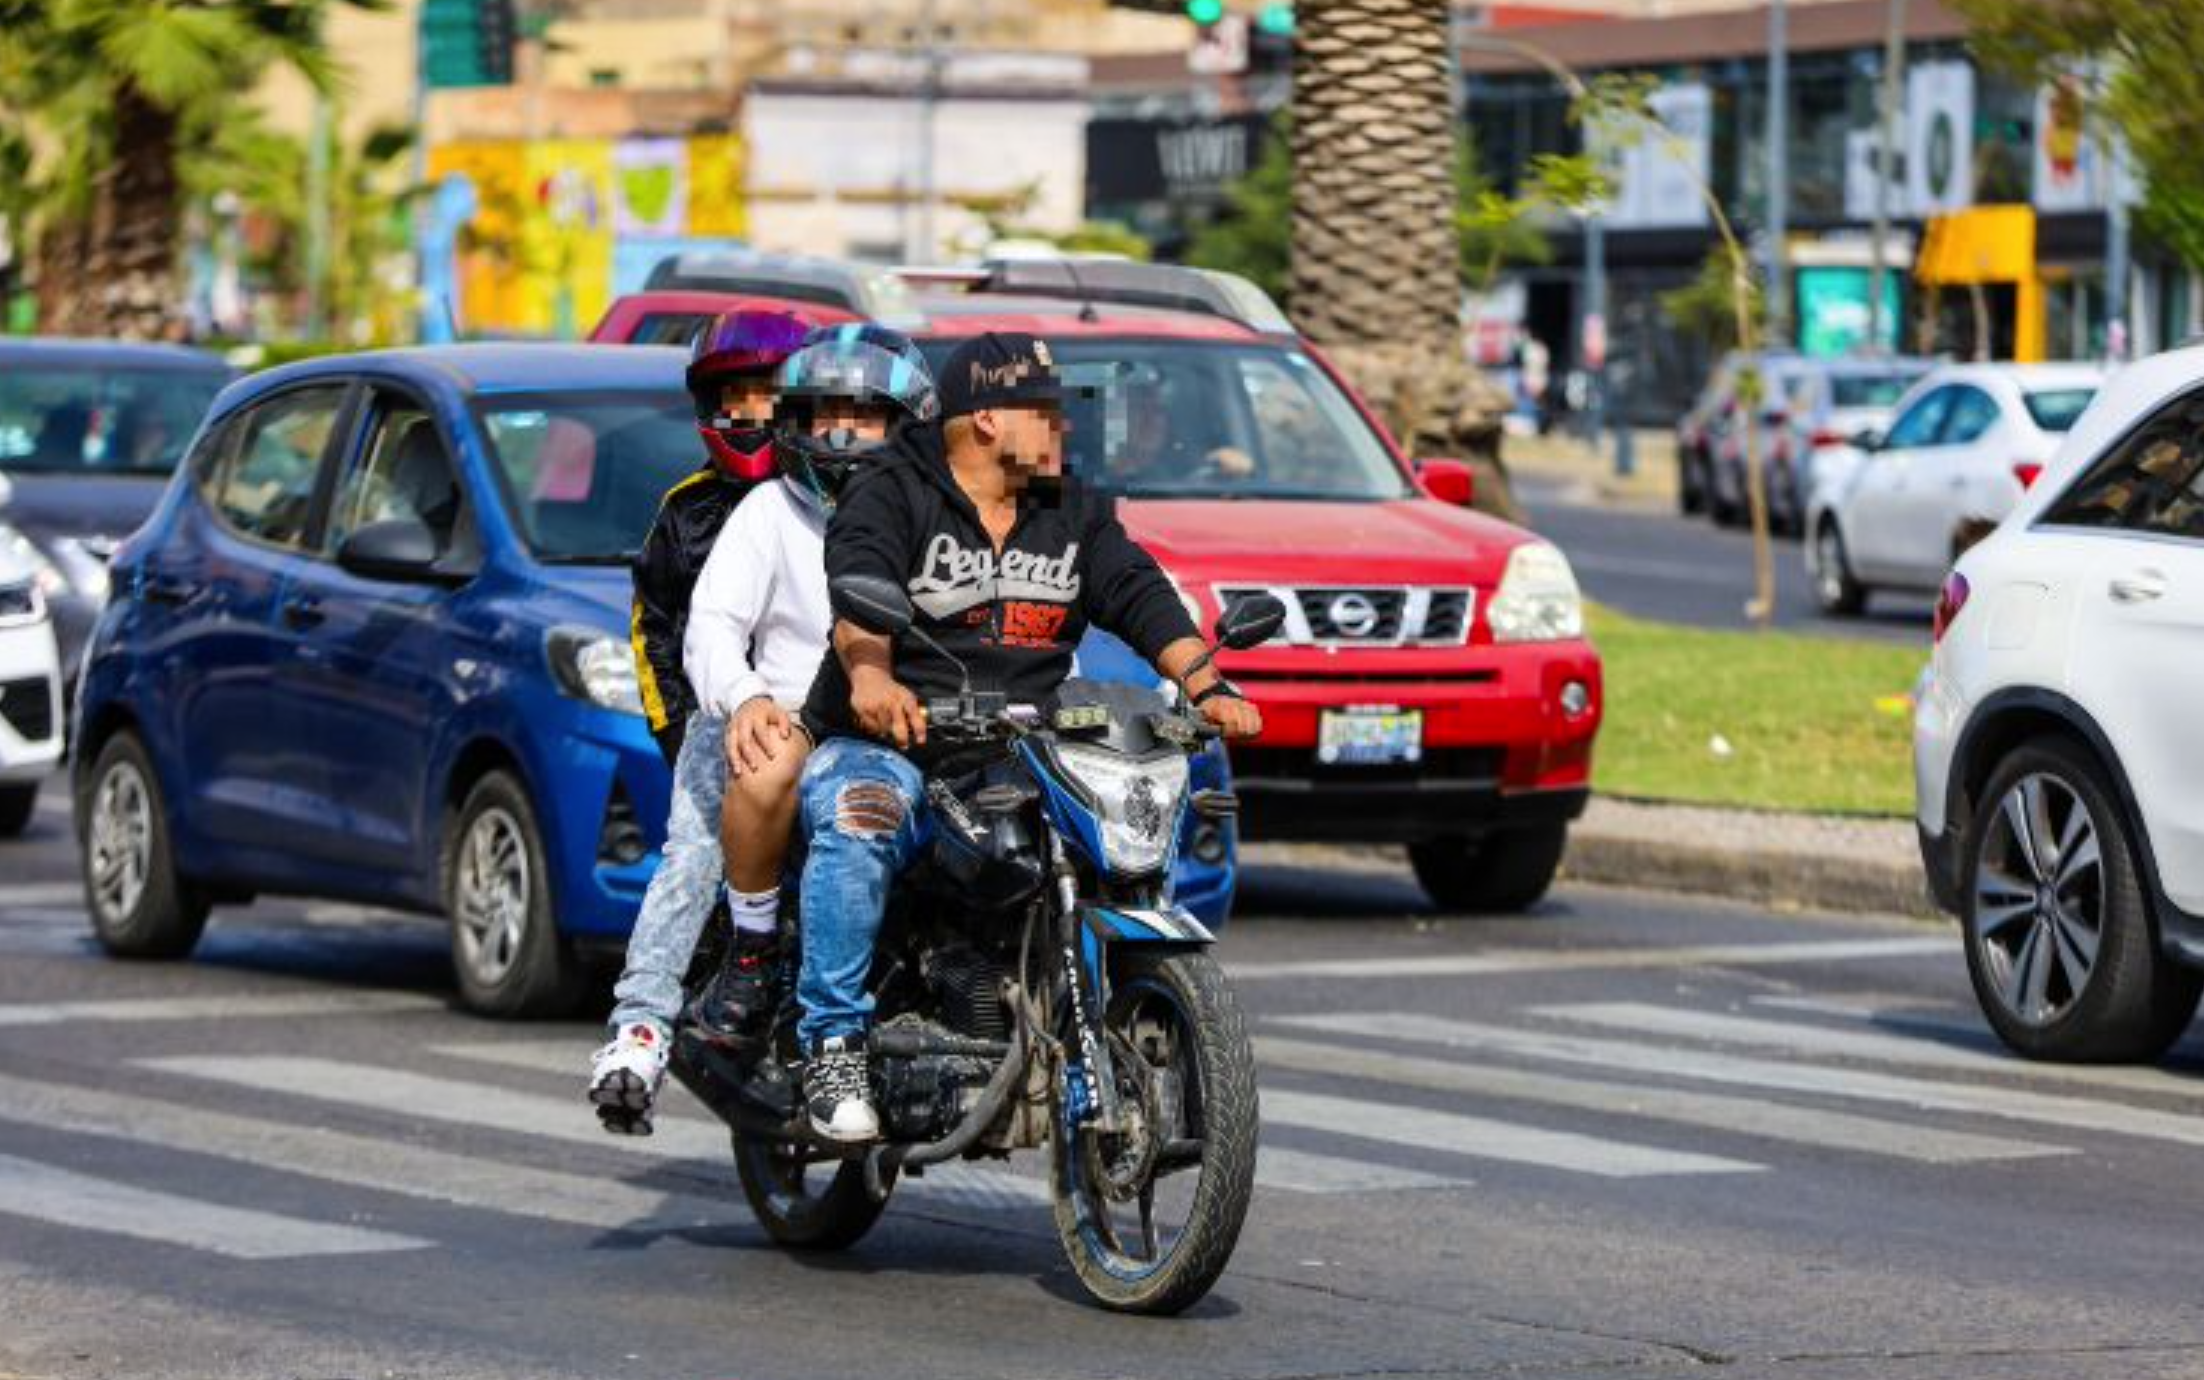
(2060, 946)
(1836, 592)
(507, 951)
(1691, 484)
(140, 906)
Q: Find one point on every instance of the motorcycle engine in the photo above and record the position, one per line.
(924, 1098)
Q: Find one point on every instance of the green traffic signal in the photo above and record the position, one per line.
(1276, 18)
(1205, 12)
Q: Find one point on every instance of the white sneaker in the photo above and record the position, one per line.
(624, 1078)
(838, 1091)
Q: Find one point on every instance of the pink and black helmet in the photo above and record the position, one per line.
(745, 342)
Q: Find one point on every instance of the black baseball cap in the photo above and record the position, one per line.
(998, 369)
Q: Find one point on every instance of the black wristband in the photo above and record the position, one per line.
(1219, 686)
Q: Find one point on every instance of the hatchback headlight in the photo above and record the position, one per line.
(1538, 599)
(595, 666)
(1137, 803)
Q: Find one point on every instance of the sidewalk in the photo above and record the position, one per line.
(1588, 474)
(1784, 861)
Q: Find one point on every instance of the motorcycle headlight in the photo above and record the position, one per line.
(1137, 803)
(595, 666)
(1538, 599)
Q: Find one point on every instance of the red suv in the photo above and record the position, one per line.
(1434, 687)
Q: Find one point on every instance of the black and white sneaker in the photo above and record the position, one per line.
(736, 1005)
(838, 1091)
(624, 1078)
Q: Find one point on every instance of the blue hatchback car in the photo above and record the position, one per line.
(373, 645)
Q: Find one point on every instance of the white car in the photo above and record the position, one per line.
(30, 688)
(1966, 443)
(2058, 761)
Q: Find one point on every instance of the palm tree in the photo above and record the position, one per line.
(119, 91)
(1376, 276)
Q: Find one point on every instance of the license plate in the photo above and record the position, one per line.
(1369, 737)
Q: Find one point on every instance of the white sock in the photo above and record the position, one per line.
(755, 912)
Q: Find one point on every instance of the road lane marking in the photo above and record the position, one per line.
(2008, 1104)
(1568, 960)
(386, 1166)
(40, 894)
(237, 1006)
(1638, 568)
(1483, 1138)
(64, 1198)
(1711, 1111)
(1921, 1051)
(694, 1137)
(1276, 1167)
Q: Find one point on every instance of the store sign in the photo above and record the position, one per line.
(1939, 137)
(1833, 313)
(2069, 173)
(1183, 162)
(1659, 176)
(1862, 152)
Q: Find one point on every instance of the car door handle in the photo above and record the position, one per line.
(303, 613)
(2140, 587)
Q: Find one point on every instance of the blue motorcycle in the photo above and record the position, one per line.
(1035, 988)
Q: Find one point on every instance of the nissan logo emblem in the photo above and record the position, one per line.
(1353, 615)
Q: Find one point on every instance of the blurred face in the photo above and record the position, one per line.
(747, 401)
(850, 424)
(1031, 441)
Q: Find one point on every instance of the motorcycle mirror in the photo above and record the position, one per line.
(1250, 621)
(876, 605)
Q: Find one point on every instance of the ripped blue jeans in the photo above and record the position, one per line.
(862, 812)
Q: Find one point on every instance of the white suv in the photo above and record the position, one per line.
(2058, 754)
(30, 686)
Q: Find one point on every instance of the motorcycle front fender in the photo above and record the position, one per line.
(1169, 926)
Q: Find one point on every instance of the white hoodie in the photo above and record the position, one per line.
(759, 619)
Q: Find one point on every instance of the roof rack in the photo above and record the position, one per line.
(1172, 287)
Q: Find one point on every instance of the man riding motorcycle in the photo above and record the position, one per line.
(756, 632)
(1006, 563)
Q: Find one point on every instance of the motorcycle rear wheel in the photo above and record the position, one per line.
(1176, 1014)
(805, 1204)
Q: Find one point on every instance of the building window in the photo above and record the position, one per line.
(604, 76)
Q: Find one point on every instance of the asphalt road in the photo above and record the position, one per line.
(1660, 564)
(1625, 1136)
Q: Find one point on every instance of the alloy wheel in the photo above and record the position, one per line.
(2039, 899)
(120, 842)
(493, 895)
(1829, 565)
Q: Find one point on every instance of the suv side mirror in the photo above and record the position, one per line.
(1250, 622)
(876, 605)
(1868, 439)
(399, 549)
(1449, 481)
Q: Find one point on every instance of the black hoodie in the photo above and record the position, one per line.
(1013, 618)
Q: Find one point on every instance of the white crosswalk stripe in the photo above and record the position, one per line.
(2007, 1104)
(231, 1007)
(66, 1198)
(1735, 1115)
(1815, 1041)
(40, 894)
(1576, 960)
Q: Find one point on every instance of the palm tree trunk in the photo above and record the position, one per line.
(1375, 255)
(132, 291)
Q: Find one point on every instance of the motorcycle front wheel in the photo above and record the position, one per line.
(1149, 1215)
(804, 1201)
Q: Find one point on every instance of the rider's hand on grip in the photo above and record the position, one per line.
(887, 710)
(1233, 716)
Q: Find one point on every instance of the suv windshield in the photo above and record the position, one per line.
(1871, 390)
(583, 472)
(100, 420)
(1184, 419)
(2056, 409)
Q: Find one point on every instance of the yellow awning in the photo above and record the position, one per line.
(1985, 244)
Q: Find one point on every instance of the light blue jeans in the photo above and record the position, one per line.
(862, 812)
(683, 889)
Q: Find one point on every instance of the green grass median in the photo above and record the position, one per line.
(1768, 720)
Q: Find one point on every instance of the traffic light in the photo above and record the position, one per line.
(1205, 12)
(1276, 19)
(467, 42)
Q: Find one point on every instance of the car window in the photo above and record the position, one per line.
(2057, 409)
(668, 328)
(1973, 412)
(1919, 424)
(2151, 482)
(583, 472)
(263, 482)
(404, 474)
(1870, 390)
(100, 420)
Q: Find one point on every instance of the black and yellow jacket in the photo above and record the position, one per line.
(673, 555)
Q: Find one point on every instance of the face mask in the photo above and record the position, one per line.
(742, 436)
